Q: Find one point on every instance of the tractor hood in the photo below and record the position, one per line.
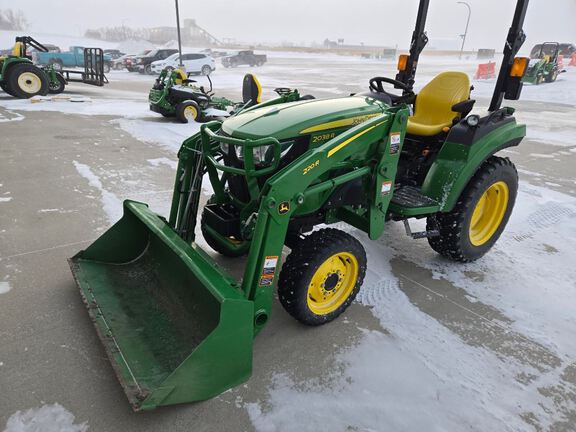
(303, 117)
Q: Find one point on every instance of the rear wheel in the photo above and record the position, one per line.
(106, 67)
(148, 69)
(4, 86)
(480, 215)
(322, 276)
(188, 111)
(58, 86)
(26, 80)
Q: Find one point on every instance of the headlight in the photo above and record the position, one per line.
(262, 154)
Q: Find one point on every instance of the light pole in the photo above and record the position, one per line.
(179, 40)
(466, 30)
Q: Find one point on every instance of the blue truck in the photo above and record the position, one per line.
(72, 58)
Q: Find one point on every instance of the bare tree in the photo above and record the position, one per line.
(12, 20)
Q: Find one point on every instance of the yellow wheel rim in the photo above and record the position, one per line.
(190, 112)
(332, 283)
(488, 213)
(29, 82)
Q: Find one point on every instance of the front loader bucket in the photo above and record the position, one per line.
(175, 327)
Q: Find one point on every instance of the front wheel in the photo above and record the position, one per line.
(57, 86)
(480, 215)
(188, 111)
(322, 276)
(551, 77)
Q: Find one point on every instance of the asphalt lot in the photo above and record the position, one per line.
(49, 351)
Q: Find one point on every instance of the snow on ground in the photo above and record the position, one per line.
(4, 287)
(163, 161)
(111, 204)
(7, 116)
(47, 418)
(164, 132)
(133, 116)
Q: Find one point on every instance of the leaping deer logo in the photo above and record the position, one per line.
(284, 207)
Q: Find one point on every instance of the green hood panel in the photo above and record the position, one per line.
(303, 117)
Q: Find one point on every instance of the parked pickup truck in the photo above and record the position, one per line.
(72, 58)
(244, 58)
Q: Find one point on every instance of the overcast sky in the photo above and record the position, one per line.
(378, 22)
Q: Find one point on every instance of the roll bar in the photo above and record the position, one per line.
(506, 88)
(419, 41)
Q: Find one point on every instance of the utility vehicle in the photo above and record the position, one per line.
(543, 64)
(178, 328)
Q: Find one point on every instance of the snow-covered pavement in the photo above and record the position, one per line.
(429, 345)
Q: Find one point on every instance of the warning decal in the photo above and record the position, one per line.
(386, 187)
(394, 142)
(268, 270)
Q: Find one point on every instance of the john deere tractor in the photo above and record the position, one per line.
(178, 328)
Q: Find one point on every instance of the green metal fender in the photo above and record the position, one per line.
(457, 163)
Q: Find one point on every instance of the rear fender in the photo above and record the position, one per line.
(461, 156)
(10, 62)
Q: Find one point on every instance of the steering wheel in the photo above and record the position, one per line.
(376, 84)
(283, 91)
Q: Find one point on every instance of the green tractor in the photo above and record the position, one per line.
(174, 94)
(543, 66)
(19, 77)
(178, 328)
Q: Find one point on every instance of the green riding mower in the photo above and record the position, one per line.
(178, 328)
(543, 66)
(174, 94)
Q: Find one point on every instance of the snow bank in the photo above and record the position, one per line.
(47, 418)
